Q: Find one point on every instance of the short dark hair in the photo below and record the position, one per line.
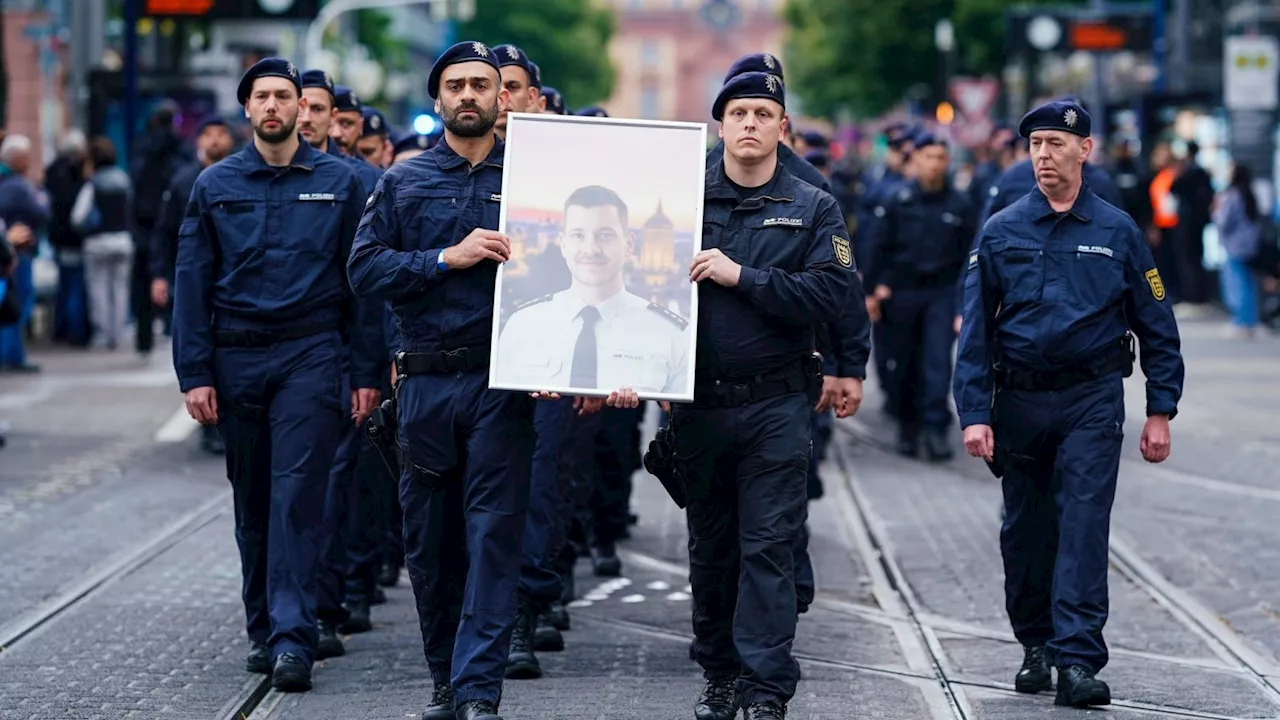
(599, 196)
(102, 151)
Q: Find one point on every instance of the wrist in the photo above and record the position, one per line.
(442, 260)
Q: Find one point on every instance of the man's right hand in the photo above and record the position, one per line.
(873, 308)
(980, 441)
(202, 405)
(19, 235)
(480, 245)
(160, 292)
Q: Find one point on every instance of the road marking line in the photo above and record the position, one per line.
(177, 428)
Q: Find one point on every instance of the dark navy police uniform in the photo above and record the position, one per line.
(262, 304)
(1049, 300)
(465, 486)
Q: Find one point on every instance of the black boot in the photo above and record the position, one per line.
(1077, 687)
(358, 620)
(389, 575)
(568, 589)
(522, 664)
(718, 700)
(291, 674)
(211, 441)
(908, 442)
(547, 637)
(1034, 675)
(558, 616)
(441, 707)
(936, 445)
(605, 562)
(477, 710)
(329, 644)
(379, 596)
(259, 660)
(767, 710)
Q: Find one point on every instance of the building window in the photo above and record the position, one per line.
(649, 109)
(648, 54)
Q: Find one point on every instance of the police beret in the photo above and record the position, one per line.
(592, 111)
(816, 158)
(209, 122)
(1057, 115)
(749, 85)
(514, 56)
(896, 130)
(374, 123)
(267, 67)
(813, 138)
(463, 52)
(535, 75)
(412, 141)
(906, 135)
(344, 99)
(317, 79)
(924, 138)
(758, 62)
(555, 101)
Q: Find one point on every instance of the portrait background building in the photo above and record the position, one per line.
(656, 169)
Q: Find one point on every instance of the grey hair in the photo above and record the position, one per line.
(73, 142)
(13, 146)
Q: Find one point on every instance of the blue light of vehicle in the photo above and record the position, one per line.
(424, 124)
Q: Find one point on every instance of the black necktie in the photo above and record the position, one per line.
(583, 372)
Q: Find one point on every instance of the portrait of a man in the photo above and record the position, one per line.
(596, 334)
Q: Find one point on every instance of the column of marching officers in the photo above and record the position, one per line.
(323, 269)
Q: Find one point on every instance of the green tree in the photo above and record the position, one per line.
(569, 39)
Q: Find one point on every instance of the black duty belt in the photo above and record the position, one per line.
(736, 393)
(1041, 381)
(443, 361)
(262, 338)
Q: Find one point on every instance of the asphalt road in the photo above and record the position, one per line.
(119, 584)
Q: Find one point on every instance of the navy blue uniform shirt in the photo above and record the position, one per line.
(164, 237)
(924, 238)
(786, 236)
(796, 165)
(1020, 179)
(264, 248)
(1048, 291)
(419, 208)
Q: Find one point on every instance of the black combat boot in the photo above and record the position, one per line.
(568, 589)
(767, 710)
(522, 664)
(259, 660)
(718, 700)
(936, 445)
(441, 707)
(379, 596)
(908, 441)
(1077, 687)
(477, 710)
(329, 645)
(291, 674)
(389, 575)
(558, 616)
(547, 637)
(358, 620)
(605, 562)
(1034, 675)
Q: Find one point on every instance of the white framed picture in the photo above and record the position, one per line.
(604, 217)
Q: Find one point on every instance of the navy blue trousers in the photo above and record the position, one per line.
(579, 475)
(1062, 455)
(545, 526)
(922, 331)
(746, 471)
(617, 458)
(464, 489)
(280, 414)
(333, 579)
(373, 500)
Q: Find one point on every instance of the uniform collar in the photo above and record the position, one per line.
(778, 189)
(609, 309)
(303, 159)
(1081, 210)
(447, 159)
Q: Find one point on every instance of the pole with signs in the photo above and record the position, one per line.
(130, 77)
(1251, 91)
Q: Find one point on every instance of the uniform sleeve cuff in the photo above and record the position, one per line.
(747, 280)
(851, 370)
(975, 417)
(192, 382)
(1161, 409)
(366, 381)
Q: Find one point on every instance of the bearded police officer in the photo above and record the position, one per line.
(262, 304)
(1054, 286)
(777, 264)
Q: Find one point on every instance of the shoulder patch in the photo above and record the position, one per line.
(535, 301)
(670, 316)
(1157, 285)
(843, 251)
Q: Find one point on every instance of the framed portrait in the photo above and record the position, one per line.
(604, 217)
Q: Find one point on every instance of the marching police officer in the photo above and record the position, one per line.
(348, 119)
(374, 143)
(535, 80)
(777, 264)
(411, 145)
(925, 235)
(517, 78)
(1054, 285)
(259, 351)
(553, 101)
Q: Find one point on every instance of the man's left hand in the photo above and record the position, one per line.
(715, 266)
(829, 394)
(623, 398)
(848, 396)
(1156, 442)
(363, 402)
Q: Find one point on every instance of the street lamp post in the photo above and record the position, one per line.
(314, 40)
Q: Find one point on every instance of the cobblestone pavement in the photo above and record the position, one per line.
(120, 592)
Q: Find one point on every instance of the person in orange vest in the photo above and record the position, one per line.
(1164, 217)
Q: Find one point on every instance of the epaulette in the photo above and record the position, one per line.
(534, 301)
(674, 318)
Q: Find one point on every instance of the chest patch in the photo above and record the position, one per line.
(788, 222)
(1096, 250)
(316, 197)
(496, 197)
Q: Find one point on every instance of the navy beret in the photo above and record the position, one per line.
(344, 99)
(535, 75)
(463, 52)
(592, 111)
(907, 135)
(267, 67)
(816, 158)
(749, 85)
(317, 79)
(210, 121)
(759, 62)
(374, 123)
(1057, 115)
(555, 101)
(412, 141)
(814, 138)
(924, 138)
(514, 56)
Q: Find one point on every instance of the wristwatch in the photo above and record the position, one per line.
(440, 263)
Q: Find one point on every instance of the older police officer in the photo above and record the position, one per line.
(1056, 282)
(777, 264)
(259, 350)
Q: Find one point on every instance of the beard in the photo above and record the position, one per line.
(470, 127)
(278, 135)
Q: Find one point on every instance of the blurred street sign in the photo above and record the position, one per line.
(1251, 72)
(974, 97)
(233, 9)
(1049, 29)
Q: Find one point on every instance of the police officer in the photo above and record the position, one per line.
(535, 79)
(321, 122)
(592, 111)
(553, 101)
(374, 144)
(926, 232)
(517, 78)
(1054, 285)
(763, 288)
(348, 119)
(259, 351)
(410, 146)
